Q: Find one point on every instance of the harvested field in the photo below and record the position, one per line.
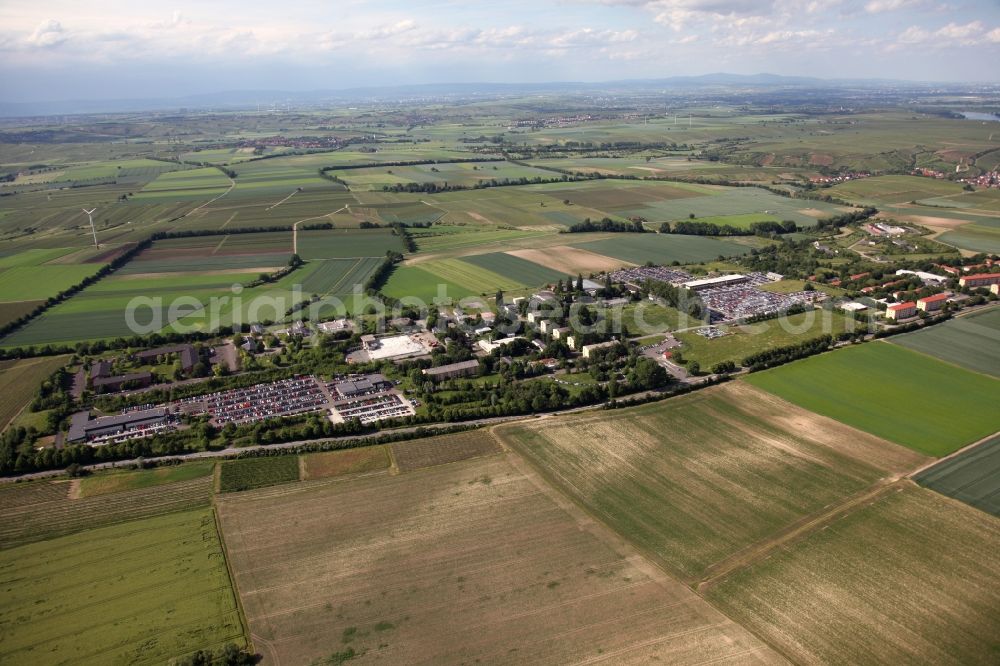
(42, 509)
(570, 260)
(464, 563)
(349, 461)
(972, 476)
(418, 453)
(908, 578)
(142, 592)
(696, 479)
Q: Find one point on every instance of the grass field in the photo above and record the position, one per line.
(248, 473)
(43, 509)
(470, 562)
(19, 380)
(349, 461)
(414, 281)
(909, 578)
(116, 482)
(894, 393)
(460, 278)
(972, 476)
(970, 341)
(141, 592)
(743, 341)
(660, 248)
(694, 480)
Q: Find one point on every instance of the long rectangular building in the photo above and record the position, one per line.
(721, 281)
(82, 428)
(981, 280)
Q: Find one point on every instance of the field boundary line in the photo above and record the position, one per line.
(954, 454)
(240, 611)
(798, 530)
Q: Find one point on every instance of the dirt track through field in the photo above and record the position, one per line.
(472, 561)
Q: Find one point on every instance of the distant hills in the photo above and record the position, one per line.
(250, 99)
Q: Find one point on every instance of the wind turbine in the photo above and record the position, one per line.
(90, 216)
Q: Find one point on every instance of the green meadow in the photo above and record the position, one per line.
(892, 392)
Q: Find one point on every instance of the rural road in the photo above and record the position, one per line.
(232, 452)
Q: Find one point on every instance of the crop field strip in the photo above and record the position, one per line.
(909, 398)
(248, 473)
(972, 476)
(428, 452)
(971, 341)
(417, 566)
(42, 509)
(907, 578)
(361, 460)
(697, 479)
(140, 592)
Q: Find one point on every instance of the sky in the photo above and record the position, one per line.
(68, 49)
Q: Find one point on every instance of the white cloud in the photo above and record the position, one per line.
(951, 35)
(48, 33)
(879, 6)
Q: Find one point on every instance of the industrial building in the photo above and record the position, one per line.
(452, 370)
(721, 281)
(107, 428)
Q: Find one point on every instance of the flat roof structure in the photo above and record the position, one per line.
(82, 427)
(721, 281)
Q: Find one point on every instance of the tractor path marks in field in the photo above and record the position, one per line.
(43, 509)
(905, 576)
(970, 475)
(418, 453)
(474, 561)
(695, 480)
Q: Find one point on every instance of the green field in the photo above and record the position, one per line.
(693, 480)
(975, 237)
(250, 473)
(892, 392)
(907, 579)
(103, 484)
(660, 248)
(972, 476)
(141, 592)
(444, 238)
(971, 341)
(415, 282)
(526, 272)
(19, 381)
(341, 243)
(44, 509)
(188, 185)
(742, 341)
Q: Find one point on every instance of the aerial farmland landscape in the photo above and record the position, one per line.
(619, 332)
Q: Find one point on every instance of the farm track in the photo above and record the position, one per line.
(801, 529)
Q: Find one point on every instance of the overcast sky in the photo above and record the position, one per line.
(62, 49)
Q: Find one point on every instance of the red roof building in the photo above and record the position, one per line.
(981, 280)
(901, 311)
(932, 303)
